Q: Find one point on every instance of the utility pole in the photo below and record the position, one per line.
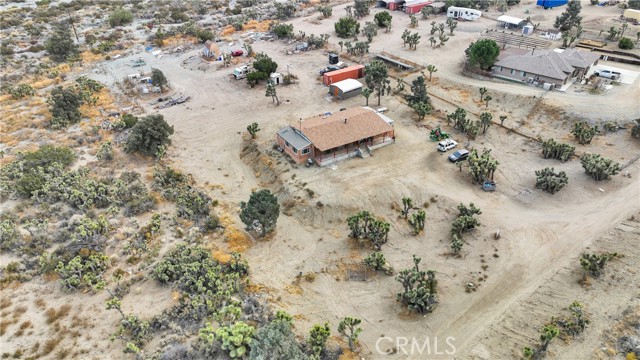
(73, 26)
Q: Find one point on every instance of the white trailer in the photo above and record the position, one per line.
(241, 72)
(463, 13)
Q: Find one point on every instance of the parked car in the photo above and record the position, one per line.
(237, 53)
(445, 145)
(341, 64)
(329, 69)
(459, 155)
(613, 75)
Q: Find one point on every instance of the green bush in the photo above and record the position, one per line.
(64, 107)
(282, 30)
(382, 18)
(129, 120)
(120, 17)
(148, 135)
(625, 43)
(9, 234)
(347, 27)
(276, 341)
(61, 45)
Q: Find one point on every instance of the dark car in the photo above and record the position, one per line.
(237, 53)
(329, 69)
(459, 155)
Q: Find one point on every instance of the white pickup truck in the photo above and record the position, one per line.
(613, 75)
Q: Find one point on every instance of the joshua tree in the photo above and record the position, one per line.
(593, 264)
(407, 204)
(419, 288)
(485, 121)
(433, 41)
(271, 91)
(482, 167)
(549, 181)
(377, 262)
(253, 130)
(555, 150)
(348, 327)
(366, 92)
(377, 78)
(452, 24)
(502, 119)
(483, 90)
(431, 69)
(456, 244)
(487, 99)
(318, 336)
(414, 21)
(548, 333)
(584, 133)
(417, 221)
(635, 130)
(599, 168)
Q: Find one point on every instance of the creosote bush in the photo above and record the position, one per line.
(148, 135)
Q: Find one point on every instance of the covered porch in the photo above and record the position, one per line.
(360, 148)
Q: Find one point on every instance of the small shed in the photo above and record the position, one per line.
(437, 7)
(552, 34)
(211, 49)
(510, 22)
(414, 6)
(390, 4)
(275, 78)
(345, 89)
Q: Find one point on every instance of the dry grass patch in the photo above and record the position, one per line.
(53, 315)
(50, 345)
(5, 303)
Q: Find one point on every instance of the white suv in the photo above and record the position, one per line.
(445, 145)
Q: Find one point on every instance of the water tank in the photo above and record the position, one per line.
(527, 30)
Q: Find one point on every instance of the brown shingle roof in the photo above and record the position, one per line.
(332, 131)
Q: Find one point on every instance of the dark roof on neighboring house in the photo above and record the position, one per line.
(328, 132)
(291, 136)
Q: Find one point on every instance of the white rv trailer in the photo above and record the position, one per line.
(463, 13)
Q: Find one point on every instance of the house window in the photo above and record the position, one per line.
(524, 74)
(512, 71)
(294, 150)
(500, 68)
(305, 151)
(286, 143)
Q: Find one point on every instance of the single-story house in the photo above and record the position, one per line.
(328, 138)
(345, 89)
(552, 34)
(510, 22)
(555, 67)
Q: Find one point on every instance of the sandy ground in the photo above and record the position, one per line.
(541, 234)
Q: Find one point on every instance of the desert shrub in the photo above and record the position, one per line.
(382, 18)
(276, 341)
(347, 27)
(18, 92)
(9, 235)
(134, 331)
(550, 181)
(106, 152)
(129, 120)
(282, 30)
(167, 180)
(148, 135)
(120, 17)
(206, 284)
(625, 43)
(193, 203)
(30, 171)
(262, 209)
(83, 271)
(61, 45)
(64, 107)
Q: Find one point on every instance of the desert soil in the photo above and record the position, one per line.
(531, 272)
